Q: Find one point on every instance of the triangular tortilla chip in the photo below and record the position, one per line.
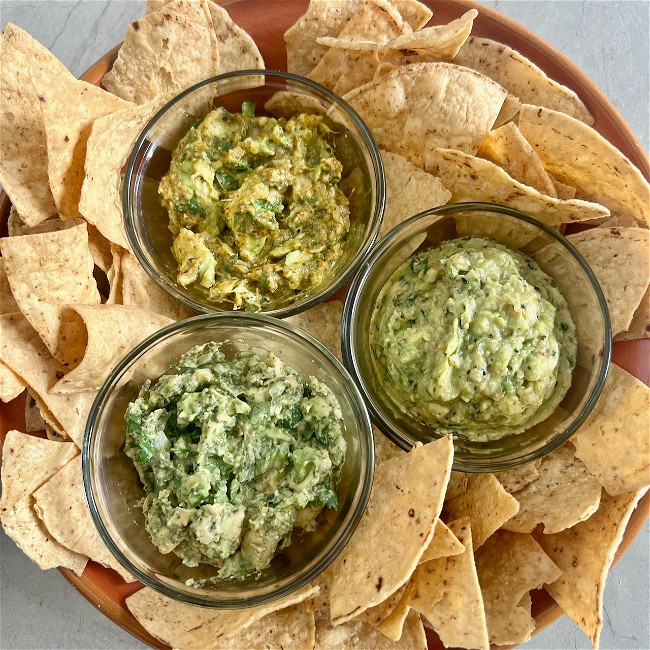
(376, 615)
(564, 494)
(165, 51)
(112, 330)
(394, 531)
(8, 303)
(27, 463)
(509, 110)
(23, 149)
(324, 323)
(584, 554)
(520, 77)
(421, 106)
(384, 448)
(578, 155)
(409, 190)
(443, 544)
(509, 565)
(614, 441)
(473, 179)
(187, 626)
(446, 592)
(47, 271)
(487, 505)
(517, 479)
(61, 505)
(458, 482)
(393, 625)
(11, 385)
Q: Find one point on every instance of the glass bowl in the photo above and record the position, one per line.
(559, 259)
(114, 490)
(147, 222)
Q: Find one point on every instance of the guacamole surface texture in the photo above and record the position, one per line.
(234, 453)
(255, 206)
(474, 338)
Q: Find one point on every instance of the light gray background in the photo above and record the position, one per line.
(609, 41)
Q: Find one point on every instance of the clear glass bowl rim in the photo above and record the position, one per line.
(357, 260)
(365, 438)
(349, 321)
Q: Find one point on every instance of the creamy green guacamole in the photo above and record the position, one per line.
(474, 338)
(255, 206)
(234, 453)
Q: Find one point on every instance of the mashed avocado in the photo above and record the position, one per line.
(474, 338)
(255, 206)
(233, 454)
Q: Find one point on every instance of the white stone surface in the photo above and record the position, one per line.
(608, 40)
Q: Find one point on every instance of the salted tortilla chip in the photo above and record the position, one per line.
(578, 155)
(516, 479)
(112, 330)
(47, 271)
(165, 51)
(139, 290)
(359, 635)
(61, 505)
(23, 149)
(509, 565)
(324, 323)
(409, 190)
(11, 385)
(520, 77)
(457, 485)
(69, 107)
(237, 50)
(584, 554)
(620, 258)
(508, 148)
(443, 544)
(613, 442)
(564, 494)
(187, 626)
(640, 325)
(509, 110)
(421, 106)
(22, 350)
(473, 179)
(394, 531)
(446, 592)
(27, 463)
(487, 505)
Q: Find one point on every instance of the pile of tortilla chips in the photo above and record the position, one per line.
(457, 118)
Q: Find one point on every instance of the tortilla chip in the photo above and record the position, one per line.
(47, 271)
(584, 554)
(61, 505)
(39, 418)
(27, 463)
(514, 480)
(509, 565)
(487, 505)
(376, 615)
(165, 51)
(421, 106)
(69, 108)
(112, 330)
(393, 625)
(509, 110)
(11, 385)
(508, 148)
(237, 50)
(415, 13)
(23, 149)
(394, 531)
(188, 626)
(620, 258)
(443, 544)
(409, 190)
(457, 485)
(361, 636)
(324, 323)
(520, 77)
(8, 303)
(139, 290)
(446, 592)
(578, 155)
(563, 191)
(640, 326)
(33, 418)
(473, 179)
(613, 442)
(564, 494)
(384, 448)
(22, 350)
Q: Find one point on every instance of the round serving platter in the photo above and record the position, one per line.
(103, 587)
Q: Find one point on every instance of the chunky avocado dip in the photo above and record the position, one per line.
(255, 206)
(474, 338)
(234, 453)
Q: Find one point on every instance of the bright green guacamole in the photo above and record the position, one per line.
(255, 206)
(234, 453)
(474, 338)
